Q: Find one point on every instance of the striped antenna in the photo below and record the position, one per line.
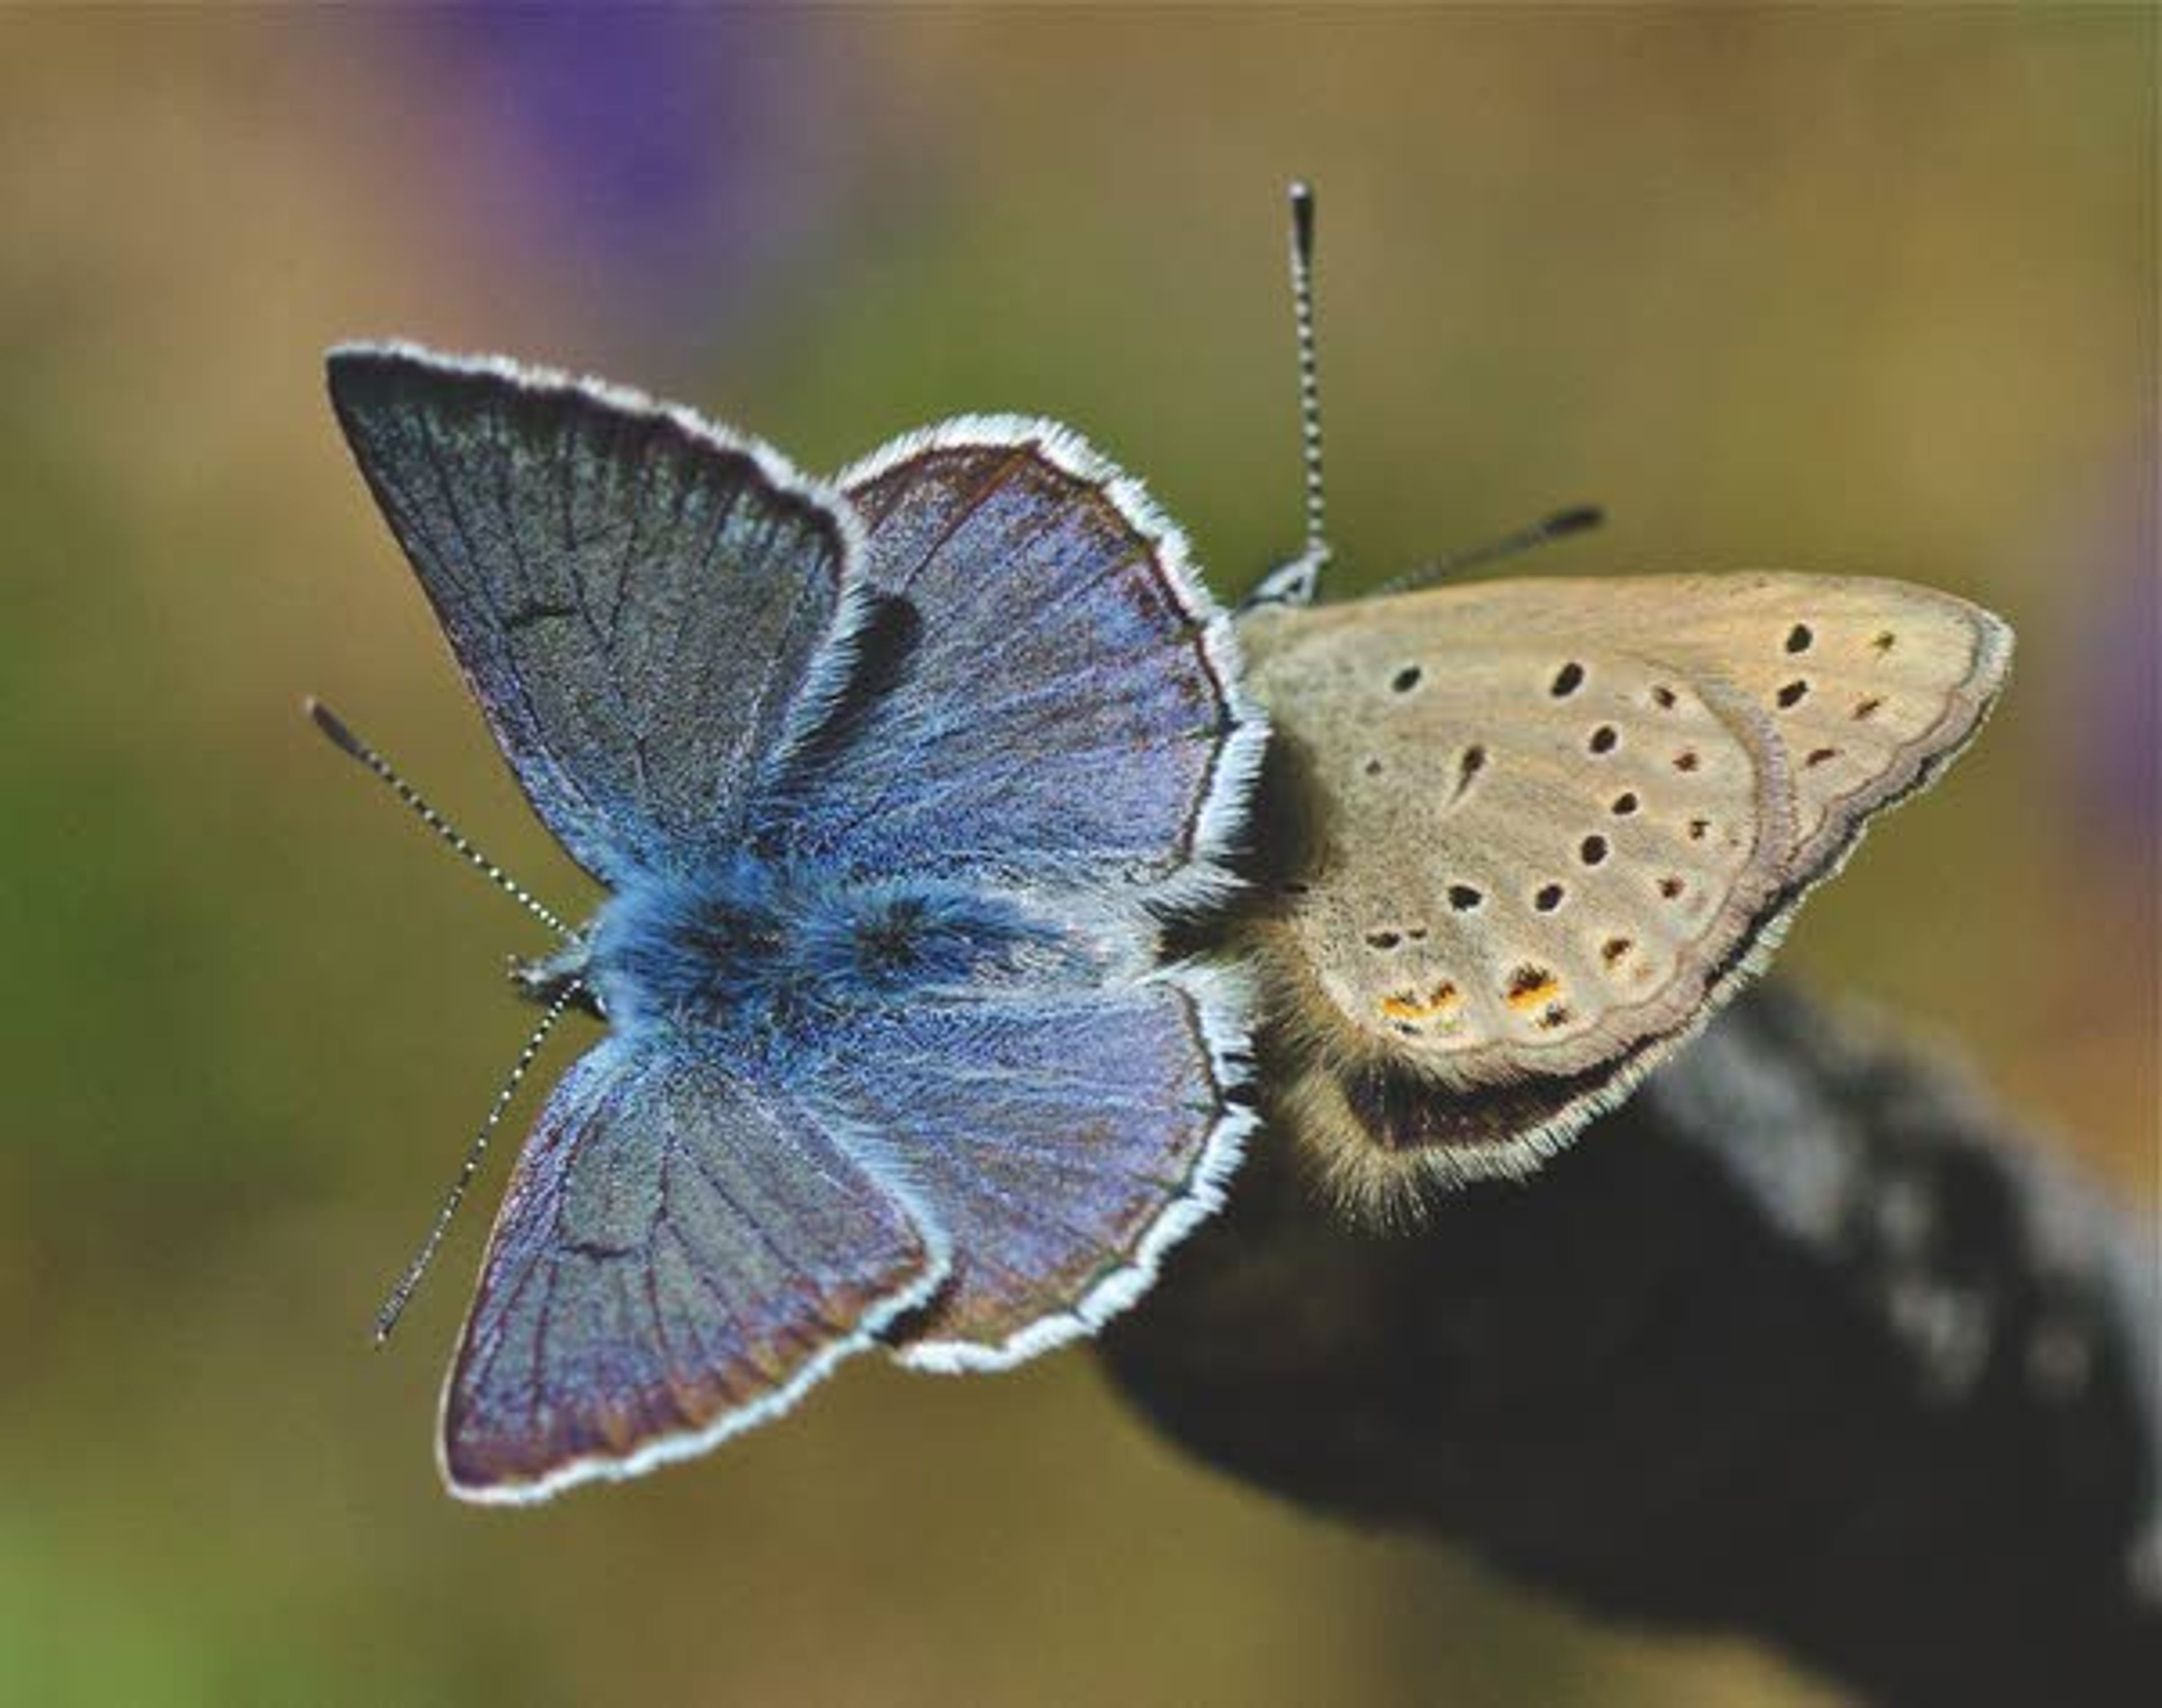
(353, 747)
(393, 1308)
(1295, 582)
(1309, 383)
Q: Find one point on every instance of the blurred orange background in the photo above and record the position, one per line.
(1865, 290)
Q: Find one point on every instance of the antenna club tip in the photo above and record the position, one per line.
(333, 726)
(1574, 520)
(1301, 214)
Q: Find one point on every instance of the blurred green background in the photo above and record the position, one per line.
(1866, 291)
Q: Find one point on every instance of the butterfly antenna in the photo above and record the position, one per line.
(353, 747)
(1309, 373)
(1573, 520)
(393, 1308)
(1294, 583)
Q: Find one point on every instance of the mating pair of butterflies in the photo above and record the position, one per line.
(894, 782)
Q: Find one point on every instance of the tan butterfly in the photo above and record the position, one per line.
(1532, 833)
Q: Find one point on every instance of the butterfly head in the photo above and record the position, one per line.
(562, 976)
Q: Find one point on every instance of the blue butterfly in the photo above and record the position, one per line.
(891, 782)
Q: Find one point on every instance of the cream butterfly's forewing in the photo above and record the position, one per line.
(1872, 684)
(1551, 824)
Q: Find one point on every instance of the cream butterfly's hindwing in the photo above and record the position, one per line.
(1552, 824)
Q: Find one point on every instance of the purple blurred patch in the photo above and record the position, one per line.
(661, 160)
(2113, 704)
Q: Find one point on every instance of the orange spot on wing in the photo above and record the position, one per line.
(1444, 997)
(1533, 994)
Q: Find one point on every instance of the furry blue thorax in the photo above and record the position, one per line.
(760, 952)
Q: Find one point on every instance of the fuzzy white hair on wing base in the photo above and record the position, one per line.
(833, 666)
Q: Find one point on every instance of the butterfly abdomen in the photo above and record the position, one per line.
(759, 949)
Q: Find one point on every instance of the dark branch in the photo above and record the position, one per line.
(1802, 1343)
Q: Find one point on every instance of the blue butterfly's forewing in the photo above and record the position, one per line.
(1069, 711)
(681, 1252)
(635, 596)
